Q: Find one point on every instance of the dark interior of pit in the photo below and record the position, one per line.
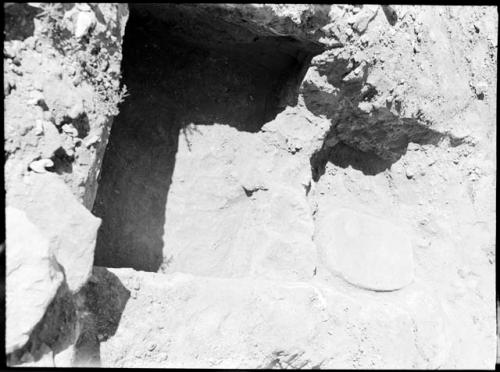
(182, 65)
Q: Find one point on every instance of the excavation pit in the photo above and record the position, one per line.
(183, 65)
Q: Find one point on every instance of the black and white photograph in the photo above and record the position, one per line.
(250, 186)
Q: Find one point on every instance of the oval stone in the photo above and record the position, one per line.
(366, 251)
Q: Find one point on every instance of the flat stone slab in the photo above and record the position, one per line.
(366, 251)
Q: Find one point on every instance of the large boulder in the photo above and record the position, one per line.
(32, 277)
(70, 228)
(366, 251)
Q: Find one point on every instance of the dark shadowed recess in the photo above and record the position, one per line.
(18, 18)
(54, 332)
(105, 298)
(182, 65)
(84, 321)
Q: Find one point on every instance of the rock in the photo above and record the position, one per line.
(32, 277)
(410, 172)
(76, 80)
(481, 88)
(40, 166)
(76, 110)
(365, 106)
(368, 252)
(37, 84)
(8, 85)
(84, 21)
(364, 17)
(12, 48)
(51, 140)
(38, 127)
(71, 130)
(61, 97)
(37, 97)
(70, 227)
(91, 140)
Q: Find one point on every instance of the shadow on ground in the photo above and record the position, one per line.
(18, 18)
(369, 141)
(54, 333)
(105, 299)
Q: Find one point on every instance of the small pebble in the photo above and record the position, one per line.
(104, 65)
(84, 21)
(39, 166)
(151, 346)
(71, 71)
(38, 127)
(36, 98)
(17, 70)
(410, 173)
(76, 110)
(7, 87)
(70, 151)
(17, 61)
(91, 140)
(69, 129)
(77, 80)
(30, 42)
(37, 84)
